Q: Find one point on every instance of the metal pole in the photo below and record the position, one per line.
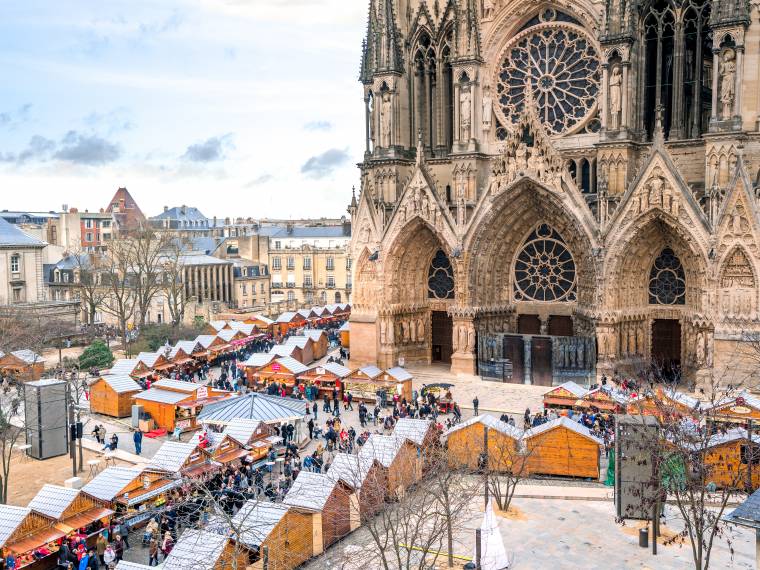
(477, 549)
(72, 441)
(750, 456)
(81, 456)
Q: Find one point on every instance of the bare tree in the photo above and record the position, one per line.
(505, 464)
(174, 280)
(148, 269)
(118, 278)
(11, 430)
(88, 284)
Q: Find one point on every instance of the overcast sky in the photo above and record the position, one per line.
(238, 107)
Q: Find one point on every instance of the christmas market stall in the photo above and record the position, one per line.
(133, 493)
(564, 396)
(425, 437)
(287, 351)
(287, 322)
(321, 344)
(327, 500)
(254, 435)
(233, 337)
(174, 403)
(23, 365)
(284, 371)
(305, 344)
(78, 516)
(368, 479)
(737, 410)
(345, 334)
(214, 327)
(156, 361)
(370, 383)
(467, 441)
(185, 351)
(130, 367)
(398, 457)
(731, 460)
(206, 550)
(323, 379)
(177, 459)
(112, 395)
(608, 401)
(562, 447)
(29, 539)
(213, 346)
(255, 363)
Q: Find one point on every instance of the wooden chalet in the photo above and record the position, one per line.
(233, 337)
(73, 511)
(185, 352)
(287, 322)
(305, 344)
(156, 361)
(666, 402)
(283, 371)
(604, 401)
(288, 534)
(175, 458)
(309, 314)
(173, 403)
(130, 367)
(366, 382)
(562, 447)
(32, 538)
(112, 395)
(425, 437)
(222, 448)
(288, 351)
(736, 410)
(254, 435)
(215, 327)
(732, 460)
(255, 363)
(564, 396)
(213, 346)
(207, 550)
(345, 334)
(399, 459)
(367, 478)
(467, 442)
(326, 378)
(23, 365)
(327, 500)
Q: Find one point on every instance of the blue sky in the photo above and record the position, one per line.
(238, 107)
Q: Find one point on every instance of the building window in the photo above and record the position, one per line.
(65, 277)
(331, 281)
(307, 263)
(56, 276)
(88, 237)
(17, 294)
(337, 296)
(105, 224)
(330, 263)
(667, 280)
(262, 287)
(440, 277)
(291, 296)
(245, 289)
(291, 262)
(348, 264)
(88, 224)
(309, 297)
(278, 245)
(15, 263)
(307, 281)
(276, 263)
(545, 269)
(323, 297)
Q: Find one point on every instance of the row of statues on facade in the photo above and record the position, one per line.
(517, 157)
(573, 353)
(407, 330)
(464, 338)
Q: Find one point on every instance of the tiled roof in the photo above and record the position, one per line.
(310, 491)
(10, 519)
(566, 423)
(53, 500)
(337, 369)
(182, 213)
(413, 430)
(196, 550)
(161, 396)
(256, 520)
(11, 235)
(180, 385)
(259, 359)
(241, 430)
(121, 384)
(254, 406)
(171, 456)
(312, 232)
(107, 484)
(399, 374)
(491, 422)
(384, 448)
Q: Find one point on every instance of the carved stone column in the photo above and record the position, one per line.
(605, 94)
(463, 361)
(715, 77)
(607, 349)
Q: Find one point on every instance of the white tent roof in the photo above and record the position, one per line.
(310, 491)
(413, 430)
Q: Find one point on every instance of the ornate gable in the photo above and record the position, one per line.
(737, 215)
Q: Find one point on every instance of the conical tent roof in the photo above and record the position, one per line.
(493, 556)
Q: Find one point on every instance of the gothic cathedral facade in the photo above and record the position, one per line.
(559, 189)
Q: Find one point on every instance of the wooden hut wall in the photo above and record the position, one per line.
(562, 451)
(104, 400)
(163, 414)
(725, 466)
(336, 515)
(234, 556)
(345, 339)
(404, 471)
(32, 523)
(373, 492)
(291, 542)
(320, 347)
(466, 445)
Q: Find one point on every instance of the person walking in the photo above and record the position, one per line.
(153, 552)
(167, 544)
(475, 403)
(311, 428)
(138, 437)
(315, 408)
(114, 442)
(100, 547)
(349, 400)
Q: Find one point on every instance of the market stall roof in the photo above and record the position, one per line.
(53, 500)
(161, 396)
(177, 385)
(286, 317)
(575, 390)
(35, 540)
(242, 430)
(70, 524)
(213, 439)
(171, 456)
(490, 422)
(292, 365)
(218, 325)
(124, 366)
(285, 350)
(124, 565)
(345, 327)
(384, 448)
(412, 429)
(320, 311)
(196, 550)
(351, 469)
(339, 370)
(254, 406)
(266, 320)
(299, 341)
(156, 488)
(259, 359)
(371, 371)
(121, 383)
(307, 313)
(310, 491)
(315, 334)
(149, 358)
(334, 308)
(257, 520)
(108, 484)
(243, 327)
(27, 356)
(228, 334)
(187, 346)
(566, 423)
(10, 519)
(748, 513)
(205, 340)
(400, 374)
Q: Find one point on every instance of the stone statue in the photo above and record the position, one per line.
(383, 334)
(616, 98)
(736, 223)
(487, 109)
(640, 341)
(420, 330)
(573, 353)
(462, 338)
(465, 113)
(391, 333)
(728, 82)
(581, 352)
(385, 120)
(700, 348)
(488, 9)
(563, 354)
(655, 191)
(471, 340)
(521, 156)
(412, 331)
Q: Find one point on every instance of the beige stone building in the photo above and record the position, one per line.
(569, 188)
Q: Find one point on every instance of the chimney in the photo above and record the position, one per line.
(289, 227)
(74, 210)
(214, 221)
(226, 221)
(166, 208)
(65, 208)
(183, 209)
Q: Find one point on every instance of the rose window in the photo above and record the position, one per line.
(545, 269)
(667, 280)
(557, 61)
